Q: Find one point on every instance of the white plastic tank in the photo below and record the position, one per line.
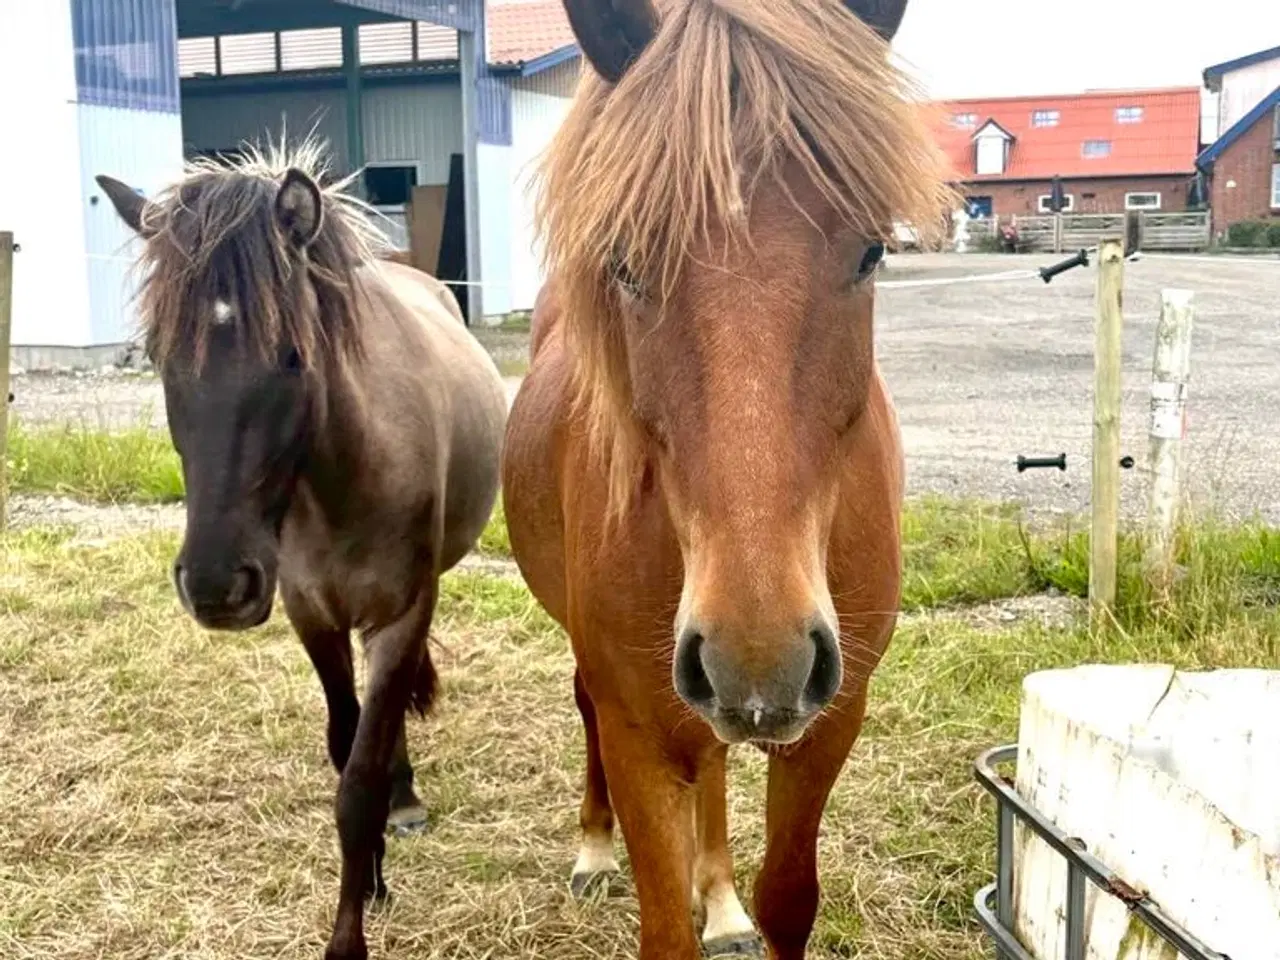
(1172, 780)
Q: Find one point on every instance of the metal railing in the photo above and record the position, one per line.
(994, 902)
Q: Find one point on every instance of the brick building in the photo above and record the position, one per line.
(1243, 164)
(1113, 150)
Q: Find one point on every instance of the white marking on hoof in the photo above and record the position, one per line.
(595, 859)
(726, 922)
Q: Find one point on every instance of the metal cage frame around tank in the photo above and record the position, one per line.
(994, 902)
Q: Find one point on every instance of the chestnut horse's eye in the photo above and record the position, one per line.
(870, 260)
(292, 362)
(624, 279)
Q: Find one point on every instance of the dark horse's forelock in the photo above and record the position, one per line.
(215, 235)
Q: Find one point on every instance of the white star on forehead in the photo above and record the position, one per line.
(222, 312)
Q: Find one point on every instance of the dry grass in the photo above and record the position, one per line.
(165, 792)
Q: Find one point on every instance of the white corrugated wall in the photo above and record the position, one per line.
(420, 123)
(144, 149)
(538, 106)
(38, 167)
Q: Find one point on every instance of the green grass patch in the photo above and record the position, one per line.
(136, 465)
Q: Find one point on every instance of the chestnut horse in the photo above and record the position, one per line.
(702, 473)
(340, 432)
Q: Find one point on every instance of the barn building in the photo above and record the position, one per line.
(443, 104)
(1243, 162)
(1113, 150)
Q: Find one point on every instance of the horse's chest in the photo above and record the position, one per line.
(350, 585)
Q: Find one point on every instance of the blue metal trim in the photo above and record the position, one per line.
(458, 14)
(126, 54)
(549, 60)
(1242, 126)
(493, 111)
(1218, 69)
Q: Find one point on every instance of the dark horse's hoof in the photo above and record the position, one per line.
(407, 821)
(583, 885)
(358, 952)
(748, 946)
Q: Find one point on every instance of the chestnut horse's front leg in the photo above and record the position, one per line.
(654, 805)
(727, 930)
(800, 780)
(396, 652)
(596, 862)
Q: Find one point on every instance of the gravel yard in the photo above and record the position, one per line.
(980, 373)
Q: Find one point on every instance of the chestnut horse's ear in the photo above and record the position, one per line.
(299, 207)
(612, 33)
(882, 16)
(130, 204)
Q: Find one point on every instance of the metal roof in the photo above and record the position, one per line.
(1242, 126)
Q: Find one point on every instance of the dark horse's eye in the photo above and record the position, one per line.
(870, 260)
(292, 361)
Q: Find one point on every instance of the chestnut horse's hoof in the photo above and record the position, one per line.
(583, 885)
(407, 821)
(745, 946)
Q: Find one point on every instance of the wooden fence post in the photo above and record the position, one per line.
(1103, 540)
(1170, 372)
(6, 318)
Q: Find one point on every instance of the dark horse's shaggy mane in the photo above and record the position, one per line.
(214, 235)
(729, 95)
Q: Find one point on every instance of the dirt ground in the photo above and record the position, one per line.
(984, 372)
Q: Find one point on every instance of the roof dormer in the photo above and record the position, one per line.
(992, 145)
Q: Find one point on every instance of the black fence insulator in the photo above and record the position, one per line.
(1042, 463)
(1081, 259)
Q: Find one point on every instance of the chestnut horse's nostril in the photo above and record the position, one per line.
(692, 683)
(828, 669)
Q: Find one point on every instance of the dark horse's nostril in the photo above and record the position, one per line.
(826, 675)
(247, 587)
(691, 677)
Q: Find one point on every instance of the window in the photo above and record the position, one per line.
(436, 42)
(991, 154)
(1128, 114)
(248, 53)
(965, 121)
(197, 56)
(1042, 203)
(1142, 201)
(1045, 118)
(1276, 137)
(311, 49)
(1094, 149)
(390, 185)
(385, 42)
(1275, 186)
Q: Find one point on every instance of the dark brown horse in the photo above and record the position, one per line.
(703, 473)
(340, 433)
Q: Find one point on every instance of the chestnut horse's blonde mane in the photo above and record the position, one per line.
(728, 95)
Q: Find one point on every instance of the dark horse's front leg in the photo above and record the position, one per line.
(330, 653)
(399, 673)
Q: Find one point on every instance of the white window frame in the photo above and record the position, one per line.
(1130, 114)
(1051, 118)
(406, 164)
(1042, 203)
(965, 121)
(1084, 149)
(1130, 205)
(1275, 186)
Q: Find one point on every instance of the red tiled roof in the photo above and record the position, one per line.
(1165, 140)
(524, 30)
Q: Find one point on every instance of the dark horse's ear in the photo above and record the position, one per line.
(299, 207)
(882, 16)
(130, 204)
(612, 33)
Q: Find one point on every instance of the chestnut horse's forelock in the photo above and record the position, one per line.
(728, 97)
(214, 235)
